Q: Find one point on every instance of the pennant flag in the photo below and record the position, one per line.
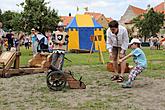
(86, 8)
(77, 8)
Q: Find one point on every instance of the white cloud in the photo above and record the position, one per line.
(10, 5)
(110, 8)
(98, 4)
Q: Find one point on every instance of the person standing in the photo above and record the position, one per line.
(34, 42)
(42, 41)
(10, 37)
(117, 44)
(2, 35)
(60, 41)
(26, 41)
(162, 42)
(2, 32)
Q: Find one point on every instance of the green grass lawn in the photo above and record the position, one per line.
(26, 54)
(156, 60)
(153, 57)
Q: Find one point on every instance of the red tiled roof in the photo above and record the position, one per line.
(128, 21)
(95, 15)
(136, 10)
(160, 7)
(109, 19)
(66, 19)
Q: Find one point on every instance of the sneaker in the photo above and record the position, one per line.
(127, 84)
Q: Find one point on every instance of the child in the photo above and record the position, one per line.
(6, 43)
(140, 60)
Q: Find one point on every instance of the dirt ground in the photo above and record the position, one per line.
(30, 92)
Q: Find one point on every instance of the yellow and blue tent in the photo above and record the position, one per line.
(80, 29)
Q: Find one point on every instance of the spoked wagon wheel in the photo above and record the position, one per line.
(56, 80)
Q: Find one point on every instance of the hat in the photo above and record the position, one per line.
(10, 30)
(60, 24)
(32, 29)
(135, 40)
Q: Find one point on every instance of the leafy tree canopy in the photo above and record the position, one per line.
(149, 23)
(37, 14)
(10, 20)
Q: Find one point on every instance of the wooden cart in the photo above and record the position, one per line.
(10, 64)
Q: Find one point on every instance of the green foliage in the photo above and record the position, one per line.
(0, 15)
(37, 14)
(149, 23)
(11, 20)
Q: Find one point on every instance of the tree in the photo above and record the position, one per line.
(149, 23)
(37, 14)
(0, 15)
(11, 20)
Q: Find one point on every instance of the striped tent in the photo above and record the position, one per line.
(80, 29)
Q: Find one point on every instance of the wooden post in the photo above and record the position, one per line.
(17, 60)
(100, 51)
(18, 53)
(93, 41)
(91, 51)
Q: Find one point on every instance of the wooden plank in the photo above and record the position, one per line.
(23, 71)
(6, 56)
(10, 61)
(45, 54)
(32, 70)
(45, 64)
(17, 60)
(110, 67)
(38, 59)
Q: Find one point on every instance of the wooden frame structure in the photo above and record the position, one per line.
(38, 64)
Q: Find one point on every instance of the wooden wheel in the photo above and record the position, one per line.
(56, 80)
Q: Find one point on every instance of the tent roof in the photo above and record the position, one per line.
(83, 21)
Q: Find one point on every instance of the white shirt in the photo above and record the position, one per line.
(122, 38)
(2, 33)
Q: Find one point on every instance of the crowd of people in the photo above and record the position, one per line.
(156, 42)
(40, 42)
(7, 39)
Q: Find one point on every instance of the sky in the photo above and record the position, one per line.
(110, 8)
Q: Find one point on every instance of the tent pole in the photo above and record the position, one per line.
(90, 51)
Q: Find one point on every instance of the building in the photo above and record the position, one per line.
(160, 8)
(109, 19)
(133, 11)
(130, 13)
(66, 19)
(100, 18)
